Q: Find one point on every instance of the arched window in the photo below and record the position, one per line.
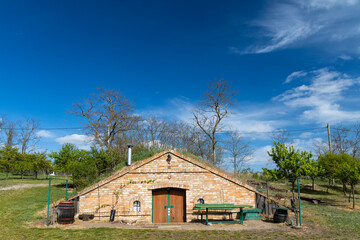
(200, 201)
(137, 206)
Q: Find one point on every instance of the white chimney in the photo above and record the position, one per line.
(129, 154)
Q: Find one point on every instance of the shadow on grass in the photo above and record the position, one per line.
(307, 190)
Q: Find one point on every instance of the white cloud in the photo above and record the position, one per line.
(306, 135)
(44, 133)
(295, 75)
(320, 100)
(297, 23)
(261, 157)
(326, 4)
(81, 141)
(250, 121)
(308, 145)
(345, 57)
(251, 118)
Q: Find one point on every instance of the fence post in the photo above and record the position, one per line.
(267, 198)
(48, 204)
(300, 220)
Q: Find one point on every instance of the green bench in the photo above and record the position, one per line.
(220, 209)
(252, 213)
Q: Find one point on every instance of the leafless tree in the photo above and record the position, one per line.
(9, 129)
(108, 113)
(154, 132)
(1, 123)
(28, 138)
(282, 136)
(321, 147)
(341, 140)
(212, 110)
(239, 149)
(355, 142)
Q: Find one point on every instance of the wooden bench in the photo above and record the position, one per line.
(220, 209)
(252, 213)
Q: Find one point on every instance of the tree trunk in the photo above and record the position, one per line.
(313, 184)
(36, 174)
(22, 174)
(345, 189)
(214, 154)
(350, 193)
(328, 186)
(353, 191)
(7, 175)
(234, 166)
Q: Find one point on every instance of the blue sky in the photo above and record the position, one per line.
(295, 63)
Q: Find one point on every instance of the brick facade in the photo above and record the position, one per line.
(136, 183)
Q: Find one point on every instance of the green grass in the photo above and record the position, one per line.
(19, 207)
(15, 179)
(333, 219)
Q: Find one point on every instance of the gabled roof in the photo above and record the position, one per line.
(136, 165)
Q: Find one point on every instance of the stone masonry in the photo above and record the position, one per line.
(136, 182)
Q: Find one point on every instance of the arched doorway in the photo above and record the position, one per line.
(169, 205)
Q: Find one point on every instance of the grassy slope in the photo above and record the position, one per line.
(20, 206)
(17, 207)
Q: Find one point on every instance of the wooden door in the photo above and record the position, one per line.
(169, 205)
(160, 200)
(177, 199)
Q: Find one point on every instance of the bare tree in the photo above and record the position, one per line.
(282, 136)
(341, 140)
(28, 138)
(212, 110)
(321, 147)
(355, 142)
(1, 123)
(154, 132)
(10, 133)
(239, 149)
(108, 113)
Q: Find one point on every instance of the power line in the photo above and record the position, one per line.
(167, 131)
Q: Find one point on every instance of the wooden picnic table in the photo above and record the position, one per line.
(224, 207)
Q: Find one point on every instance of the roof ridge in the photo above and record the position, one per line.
(213, 169)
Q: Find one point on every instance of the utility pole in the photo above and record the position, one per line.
(329, 136)
(330, 149)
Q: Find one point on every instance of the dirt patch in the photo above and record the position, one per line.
(248, 226)
(22, 186)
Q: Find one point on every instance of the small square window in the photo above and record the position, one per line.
(137, 206)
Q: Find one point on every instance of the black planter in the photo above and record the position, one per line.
(280, 215)
(112, 215)
(66, 212)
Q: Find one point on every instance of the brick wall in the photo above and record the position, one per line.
(200, 181)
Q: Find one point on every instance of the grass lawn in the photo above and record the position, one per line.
(14, 179)
(18, 207)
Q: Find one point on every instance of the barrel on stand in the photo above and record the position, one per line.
(66, 212)
(280, 215)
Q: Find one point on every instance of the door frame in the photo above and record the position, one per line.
(168, 190)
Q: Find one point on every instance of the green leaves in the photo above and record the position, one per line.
(8, 155)
(289, 162)
(84, 166)
(341, 166)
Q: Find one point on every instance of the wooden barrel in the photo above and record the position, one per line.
(65, 212)
(280, 215)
